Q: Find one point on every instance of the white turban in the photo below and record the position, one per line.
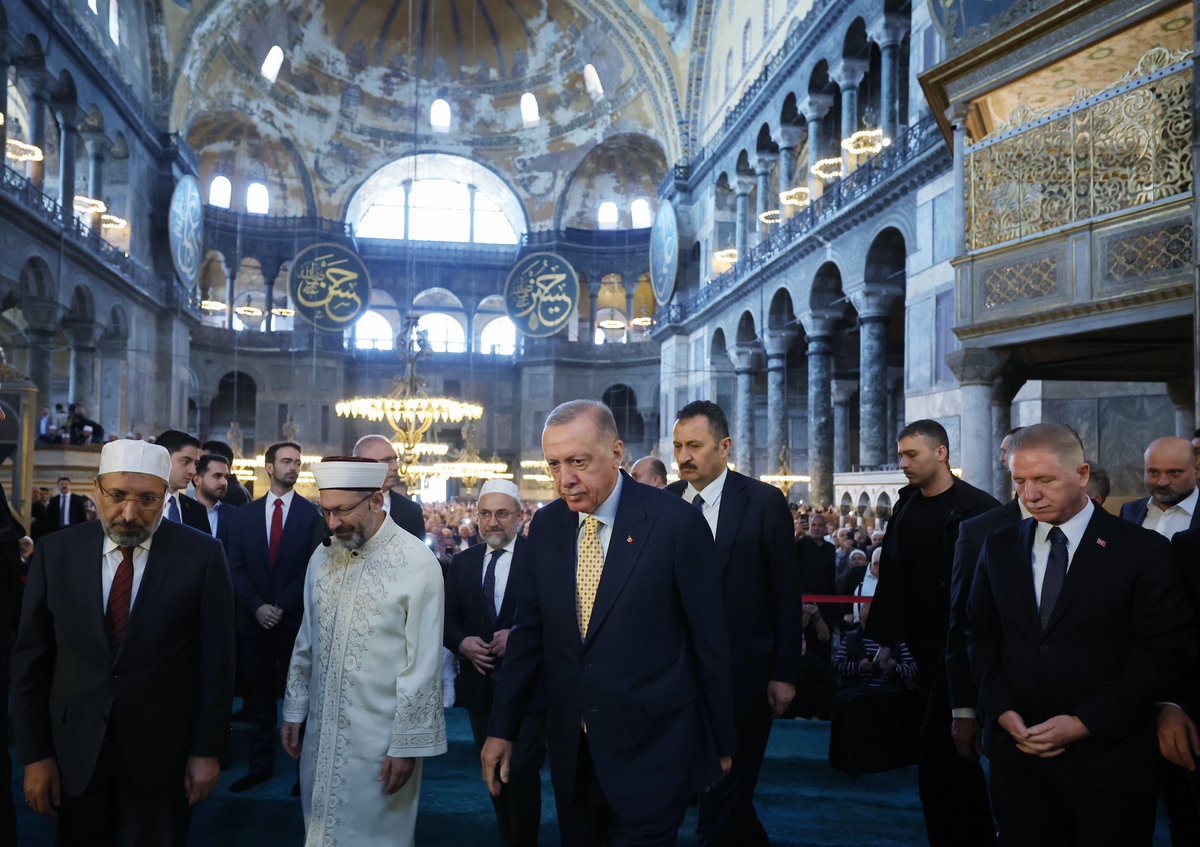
(501, 486)
(350, 474)
(128, 456)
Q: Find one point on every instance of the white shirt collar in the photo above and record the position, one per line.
(1186, 505)
(1073, 529)
(606, 513)
(711, 492)
(110, 545)
(286, 498)
(507, 548)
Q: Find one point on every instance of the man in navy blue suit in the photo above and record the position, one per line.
(621, 616)
(212, 482)
(1076, 626)
(756, 557)
(270, 542)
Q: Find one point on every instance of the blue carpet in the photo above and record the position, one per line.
(801, 800)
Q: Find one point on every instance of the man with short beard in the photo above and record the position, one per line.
(123, 665)
(212, 482)
(270, 541)
(365, 671)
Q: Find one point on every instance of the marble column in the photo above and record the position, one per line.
(843, 391)
(745, 358)
(957, 114)
(39, 102)
(888, 32)
(593, 299)
(976, 368)
(873, 437)
(848, 75)
(41, 342)
(1004, 390)
(1182, 398)
(112, 367)
(83, 376)
(766, 201)
(777, 342)
(743, 186)
(815, 109)
(67, 135)
(819, 330)
(96, 145)
(789, 141)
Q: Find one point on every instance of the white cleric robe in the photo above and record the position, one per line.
(366, 674)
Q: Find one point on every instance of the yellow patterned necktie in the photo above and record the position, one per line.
(587, 573)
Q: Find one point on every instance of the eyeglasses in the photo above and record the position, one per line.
(345, 511)
(146, 502)
(501, 516)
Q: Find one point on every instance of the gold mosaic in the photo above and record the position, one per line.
(1147, 253)
(1020, 282)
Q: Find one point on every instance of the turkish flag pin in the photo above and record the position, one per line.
(629, 539)
(1101, 542)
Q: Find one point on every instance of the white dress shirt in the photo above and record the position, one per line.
(64, 509)
(213, 518)
(287, 504)
(110, 559)
(1167, 522)
(1073, 529)
(712, 499)
(606, 514)
(503, 566)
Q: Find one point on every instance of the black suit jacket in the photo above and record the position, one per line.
(1187, 560)
(1135, 512)
(971, 535)
(912, 599)
(194, 514)
(1115, 644)
(469, 613)
(163, 696)
(651, 680)
(407, 515)
(756, 557)
(282, 585)
(52, 518)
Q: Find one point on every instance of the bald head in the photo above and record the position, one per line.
(1170, 471)
(650, 471)
(380, 449)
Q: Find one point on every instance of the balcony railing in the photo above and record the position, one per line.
(913, 141)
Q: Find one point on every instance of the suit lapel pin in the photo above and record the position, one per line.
(629, 539)
(1101, 542)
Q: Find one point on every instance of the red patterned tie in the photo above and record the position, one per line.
(276, 532)
(116, 617)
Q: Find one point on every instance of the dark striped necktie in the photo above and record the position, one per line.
(116, 616)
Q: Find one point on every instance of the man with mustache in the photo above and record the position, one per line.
(212, 483)
(123, 665)
(365, 672)
(270, 541)
(912, 604)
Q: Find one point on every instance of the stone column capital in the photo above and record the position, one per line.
(777, 342)
(745, 358)
(815, 106)
(843, 390)
(764, 163)
(957, 113)
(818, 324)
(789, 136)
(976, 365)
(96, 144)
(42, 313)
(874, 303)
(68, 116)
(888, 30)
(848, 72)
(743, 184)
(1180, 392)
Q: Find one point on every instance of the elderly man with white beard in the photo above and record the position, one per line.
(365, 670)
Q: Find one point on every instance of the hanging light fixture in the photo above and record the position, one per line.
(108, 221)
(728, 256)
(770, 217)
(468, 465)
(797, 196)
(19, 151)
(212, 305)
(865, 142)
(89, 205)
(828, 169)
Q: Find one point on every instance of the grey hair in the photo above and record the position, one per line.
(572, 410)
(366, 439)
(1055, 438)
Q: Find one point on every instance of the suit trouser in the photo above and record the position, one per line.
(954, 796)
(265, 658)
(8, 816)
(1037, 810)
(114, 805)
(1180, 791)
(726, 811)
(519, 806)
(586, 820)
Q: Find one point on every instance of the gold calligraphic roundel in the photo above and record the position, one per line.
(541, 294)
(185, 224)
(330, 286)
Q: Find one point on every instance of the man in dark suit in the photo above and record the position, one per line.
(236, 494)
(912, 604)
(631, 644)
(63, 509)
(178, 507)
(11, 535)
(964, 696)
(816, 575)
(212, 483)
(481, 600)
(756, 557)
(123, 666)
(270, 542)
(1178, 738)
(1067, 695)
(407, 514)
(1170, 477)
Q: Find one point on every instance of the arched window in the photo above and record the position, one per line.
(639, 210)
(529, 109)
(591, 82)
(385, 218)
(258, 200)
(445, 334)
(499, 338)
(766, 20)
(439, 115)
(746, 45)
(272, 64)
(607, 215)
(373, 332)
(114, 22)
(729, 72)
(220, 192)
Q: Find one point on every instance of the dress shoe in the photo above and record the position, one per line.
(249, 781)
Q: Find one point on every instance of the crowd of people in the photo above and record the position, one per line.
(649, 673)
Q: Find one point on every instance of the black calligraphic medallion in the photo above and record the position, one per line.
(330, 286)
(541, 294)
(185, 223)
(664, 253)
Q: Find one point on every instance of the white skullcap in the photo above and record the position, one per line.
(501, 486)
(128, 456)
(350, 473)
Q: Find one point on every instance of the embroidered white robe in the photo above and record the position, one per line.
(366, 674)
